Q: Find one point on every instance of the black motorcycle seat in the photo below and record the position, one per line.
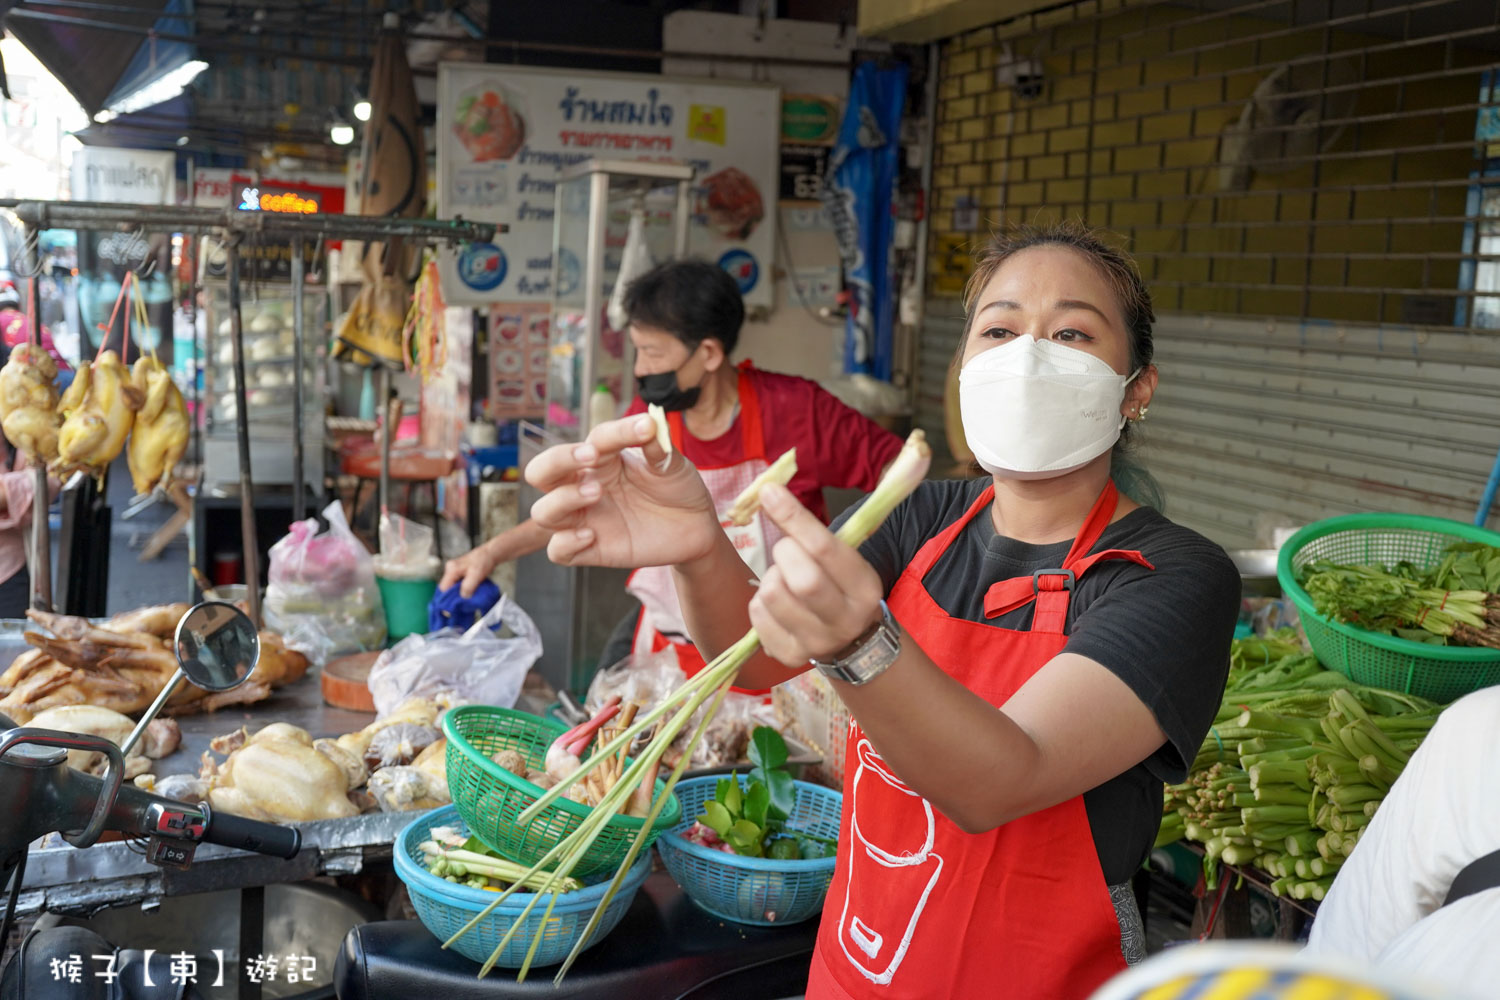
(664, 948)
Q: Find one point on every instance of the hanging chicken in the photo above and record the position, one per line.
(98, 412)
(28, 403)
(160, 434)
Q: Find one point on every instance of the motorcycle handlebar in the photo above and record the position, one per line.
(133, 814)
(251, 835)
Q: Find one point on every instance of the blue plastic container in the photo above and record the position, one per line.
(445, 907)
(752, 890)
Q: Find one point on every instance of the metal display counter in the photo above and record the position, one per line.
(63, 879)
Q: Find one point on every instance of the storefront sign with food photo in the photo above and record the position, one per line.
(506, 135)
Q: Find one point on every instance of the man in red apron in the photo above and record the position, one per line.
(730, 421)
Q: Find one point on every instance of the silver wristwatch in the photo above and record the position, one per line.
(870, 655)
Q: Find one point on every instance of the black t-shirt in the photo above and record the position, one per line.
(1164, 632)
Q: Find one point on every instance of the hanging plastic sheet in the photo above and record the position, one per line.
(862, 174)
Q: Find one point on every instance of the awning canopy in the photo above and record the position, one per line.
(104, 52)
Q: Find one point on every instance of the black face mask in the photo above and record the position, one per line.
(663, 390)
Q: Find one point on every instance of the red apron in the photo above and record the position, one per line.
(917, 907)
(660, 624)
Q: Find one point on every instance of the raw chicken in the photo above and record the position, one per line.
(160, 738)
(98, 411)
(160, 434)
(278, 778)
(28, 403)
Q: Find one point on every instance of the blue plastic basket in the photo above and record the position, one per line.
(445, 907)
(752, 890)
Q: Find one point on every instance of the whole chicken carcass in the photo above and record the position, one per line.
(98, 411)
(160, 434)
(28, 403)
(281, 779)
(160, 738)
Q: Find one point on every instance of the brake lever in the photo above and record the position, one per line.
(114, 771)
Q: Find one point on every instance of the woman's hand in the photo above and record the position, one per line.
(820, 595)
(470, 569)
(609, 501)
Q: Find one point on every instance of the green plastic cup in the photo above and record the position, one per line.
(405, 605)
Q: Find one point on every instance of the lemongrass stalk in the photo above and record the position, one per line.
(599, 755)
(599, 818)
(903, 475)
(638, 844)
(908, 469)
(571, 859)
(747, 504)
(663, 433)
(575, 845)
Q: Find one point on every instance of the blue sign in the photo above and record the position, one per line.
(742, 268)
(482, 266)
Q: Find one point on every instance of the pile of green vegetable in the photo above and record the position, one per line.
(1297, 762)
(463, 860)
(1457, 601)
(752, 821)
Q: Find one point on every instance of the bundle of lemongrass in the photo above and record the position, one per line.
(710, 684)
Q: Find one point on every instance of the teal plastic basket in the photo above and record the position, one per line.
(760, 891)
(445, 907)
(1438, 673)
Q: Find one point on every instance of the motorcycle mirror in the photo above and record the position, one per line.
(217, 647)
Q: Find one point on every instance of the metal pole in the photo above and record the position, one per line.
(197, 219)
(387, 433)
(299, 488)
(242, 433)
(41, 534)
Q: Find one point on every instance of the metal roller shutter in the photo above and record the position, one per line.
(1311, 189)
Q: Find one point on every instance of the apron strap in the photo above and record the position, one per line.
(935, 546)
(752, 432)
(1052, 588)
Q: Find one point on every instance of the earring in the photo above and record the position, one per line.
(1141, 412)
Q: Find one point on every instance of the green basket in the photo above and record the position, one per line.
(1438, 673)
(489, 798)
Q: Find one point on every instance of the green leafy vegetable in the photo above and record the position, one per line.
(752, 820)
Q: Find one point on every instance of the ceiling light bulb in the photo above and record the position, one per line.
(342, 135)
(362, 110)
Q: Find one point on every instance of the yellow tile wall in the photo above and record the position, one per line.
(1127, 134)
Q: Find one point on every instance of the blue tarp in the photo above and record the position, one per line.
(862, 182)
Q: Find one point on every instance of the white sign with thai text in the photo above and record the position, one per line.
(505, 134)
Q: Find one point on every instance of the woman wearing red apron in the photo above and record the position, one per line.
(1026, 657)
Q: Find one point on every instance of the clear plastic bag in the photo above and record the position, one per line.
(646, 680)
(406, 550)
(322, 597)
(478, 666)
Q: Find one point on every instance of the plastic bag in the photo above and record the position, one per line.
(322, 597)
(406, 550)
(646, 680)
(635, 260)
(478, 666)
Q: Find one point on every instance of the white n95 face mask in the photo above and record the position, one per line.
(1035, 409)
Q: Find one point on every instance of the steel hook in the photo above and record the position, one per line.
(30, 263)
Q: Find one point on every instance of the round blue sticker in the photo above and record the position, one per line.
(742, 268)
(482, 266)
